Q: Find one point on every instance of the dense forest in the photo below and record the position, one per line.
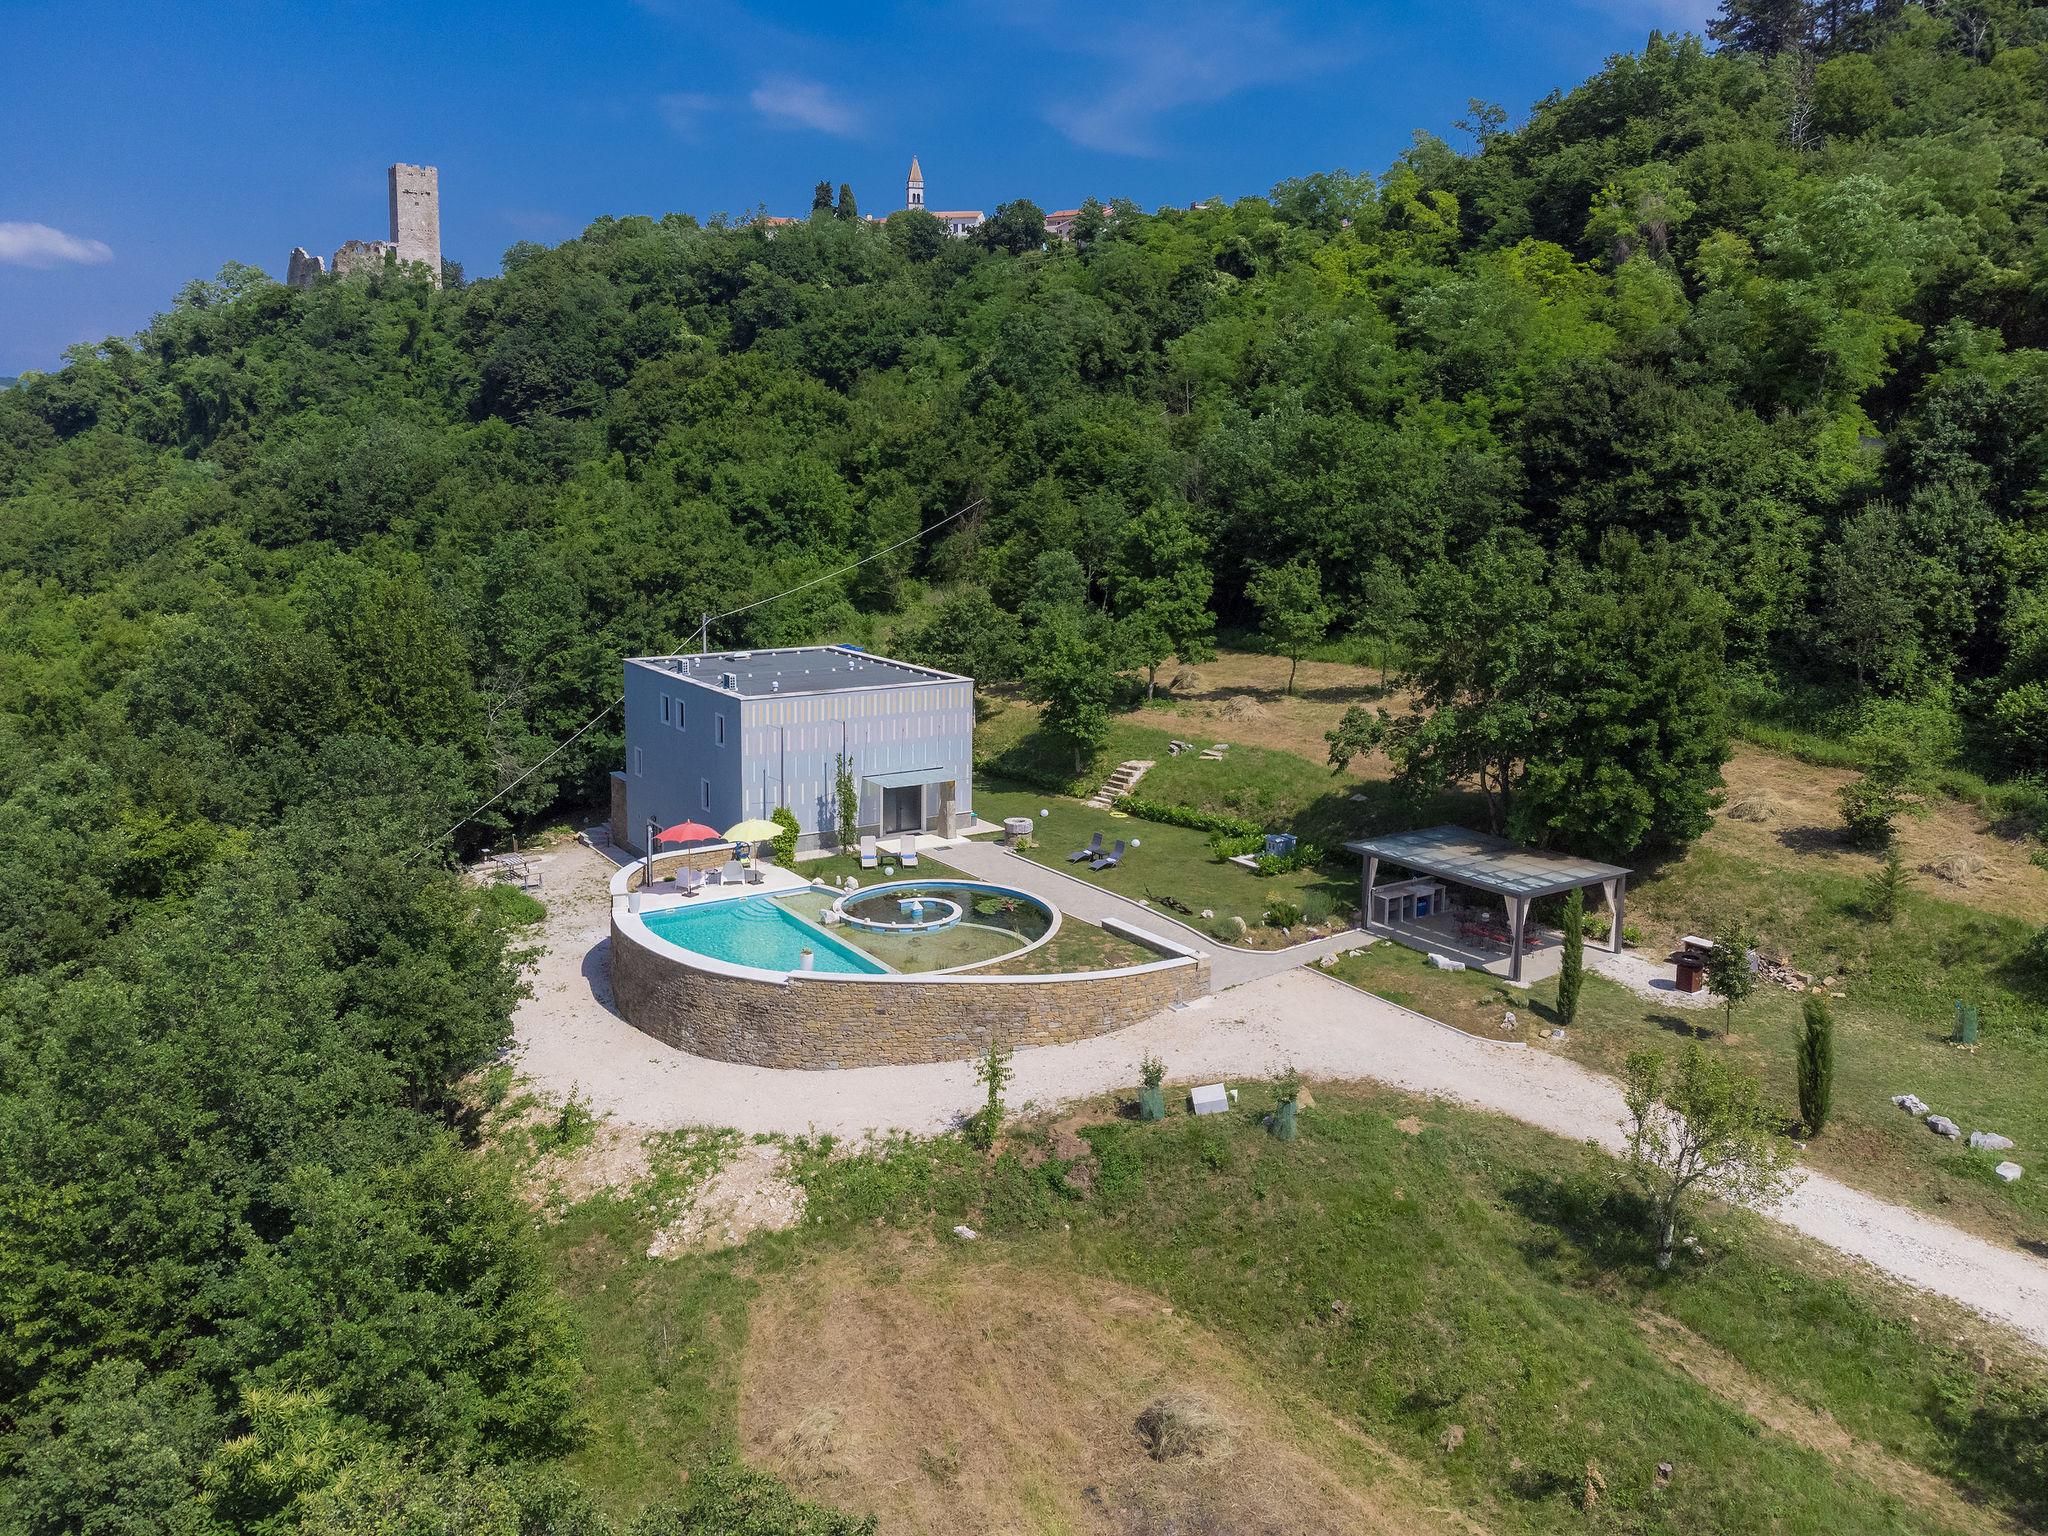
(1717, 391)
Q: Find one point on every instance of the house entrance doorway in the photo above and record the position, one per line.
(903, 809)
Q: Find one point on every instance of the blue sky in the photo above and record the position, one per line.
(148, 144)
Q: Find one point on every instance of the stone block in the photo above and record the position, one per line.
(1989, 1141)
(1209, 1099)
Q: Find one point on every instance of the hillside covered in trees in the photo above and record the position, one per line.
(1718, 389)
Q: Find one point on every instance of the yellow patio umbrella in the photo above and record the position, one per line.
(758, 829)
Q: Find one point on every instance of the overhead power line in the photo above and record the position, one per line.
(704, 631)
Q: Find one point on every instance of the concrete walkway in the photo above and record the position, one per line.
(570, 1036)
(1087, 898)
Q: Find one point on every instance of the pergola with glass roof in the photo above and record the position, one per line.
(1483, 862)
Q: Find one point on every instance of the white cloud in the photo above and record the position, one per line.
(684, 111)
(38, 245)
(796, 102)
(1173, 58)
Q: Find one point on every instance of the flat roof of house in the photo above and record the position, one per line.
(1485, 862)
(795, 670)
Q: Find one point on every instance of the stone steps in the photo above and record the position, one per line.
(1120, 782)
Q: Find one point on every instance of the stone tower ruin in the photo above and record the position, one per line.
(416, 215)
(415, 233)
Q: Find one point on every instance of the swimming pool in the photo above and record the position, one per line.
(755, 931)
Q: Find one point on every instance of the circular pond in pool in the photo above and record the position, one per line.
(933, 925)
(896, 912)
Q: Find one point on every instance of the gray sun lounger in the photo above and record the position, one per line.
(1092, 851)
(1111, 859)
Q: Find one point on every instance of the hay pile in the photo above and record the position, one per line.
(1755, 806)
(1181, 1424)
(1957, 868)
(1242, 706)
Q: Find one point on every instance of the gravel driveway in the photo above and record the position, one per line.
(570, 1035)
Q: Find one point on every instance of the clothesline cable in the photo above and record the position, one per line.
(704, 630)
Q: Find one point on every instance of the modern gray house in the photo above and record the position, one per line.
(725, 737)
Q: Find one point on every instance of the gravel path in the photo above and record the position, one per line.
(570, 1035)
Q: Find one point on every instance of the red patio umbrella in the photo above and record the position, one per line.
(687, 832)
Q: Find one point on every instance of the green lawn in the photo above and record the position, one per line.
(1171, 861)
(1880, 1051)
(1473, 1294)
(1078, 946)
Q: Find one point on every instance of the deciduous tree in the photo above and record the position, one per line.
(1293, 615)
(1699, 1126)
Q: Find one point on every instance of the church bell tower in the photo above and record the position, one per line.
(913, 189)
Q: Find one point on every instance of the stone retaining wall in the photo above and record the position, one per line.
(820, 1023)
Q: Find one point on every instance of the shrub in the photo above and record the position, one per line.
(1283, 914)
(1152, 1071)
(727, 1499)
(1868, 810)
(1571, 973)
(1235, 845)
(2032, 960)
(1886, 886)
(784, 842)
(512, 906)
(1304, 856)
(1316, 907)
(1816, 1064)
(993, 1071)
(1186, 816)
(846, 802)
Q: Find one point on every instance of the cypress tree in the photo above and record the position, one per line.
(1573, 970)
(1816, 1064)
(847, 208)
(821, 198)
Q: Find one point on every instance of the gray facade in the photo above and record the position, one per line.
(732, 735)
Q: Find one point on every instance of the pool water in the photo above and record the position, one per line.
(755, 931)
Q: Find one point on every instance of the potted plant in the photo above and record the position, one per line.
(1289, 1088)
(1152, 1097)
(805, 959)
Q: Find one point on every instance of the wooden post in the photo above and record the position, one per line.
(1617, 897)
